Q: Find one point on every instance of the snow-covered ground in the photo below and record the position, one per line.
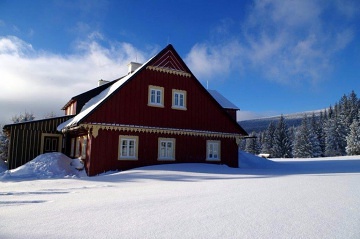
(283, 198)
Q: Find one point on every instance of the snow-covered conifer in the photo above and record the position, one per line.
(252, 145)
(317, 136)
(302, 145)
(333, 144)
(282, 144)
(353, 139)
(268, 140)
(4, 144)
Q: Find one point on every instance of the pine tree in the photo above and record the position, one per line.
(252, 145)
(320, 132)
(353, 139)
(282, 144)
(330, 113)
(317, 137)
(268, 141)
(354, 105)
(315, 144)
(302, 145)
(333, 144)
(4, 142)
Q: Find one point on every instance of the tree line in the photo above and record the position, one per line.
(334, 132)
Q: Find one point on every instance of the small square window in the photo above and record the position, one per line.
(213, 150)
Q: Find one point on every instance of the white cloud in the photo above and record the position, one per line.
(208, 61)
(41, 82)
(289, 42)
(248, 115)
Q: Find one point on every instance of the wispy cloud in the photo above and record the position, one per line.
(50, 80)
(209, 61)
(285, 41)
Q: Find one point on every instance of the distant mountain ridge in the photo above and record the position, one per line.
(261, 124)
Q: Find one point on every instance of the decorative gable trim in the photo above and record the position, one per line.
(169, 63)
(169, 60)
(169, 71)
(94, 128)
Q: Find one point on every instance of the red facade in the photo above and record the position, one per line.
(128, 112)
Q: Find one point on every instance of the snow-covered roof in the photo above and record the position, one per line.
(225, 103)
(95, 101)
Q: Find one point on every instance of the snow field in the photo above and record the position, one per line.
(265, 199)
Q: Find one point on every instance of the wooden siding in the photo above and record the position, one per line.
(102, 151)
(130, 105)
(232, 113)
(25, 139)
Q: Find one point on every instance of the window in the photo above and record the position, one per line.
(179, 99)
(212, 150)
(77, 147)
(80, 145)
(71, 109)
(128, 147)
(72, 147)
(166, 150)
(50, 143)
(156, 96)
(83, 147)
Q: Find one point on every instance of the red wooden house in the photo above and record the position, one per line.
(158, 113)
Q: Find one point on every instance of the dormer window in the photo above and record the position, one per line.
(156, 96)
(71, 109)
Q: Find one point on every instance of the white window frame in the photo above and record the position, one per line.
(165, 153)
(211, 146)
(43, 135)
(158, 101)
(128, 154)
(176, 103)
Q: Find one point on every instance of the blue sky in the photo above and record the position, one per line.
(267, 57)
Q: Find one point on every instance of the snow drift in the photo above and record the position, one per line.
(49, 165)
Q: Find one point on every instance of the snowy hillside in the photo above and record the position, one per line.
(261, 124)
(283, 198)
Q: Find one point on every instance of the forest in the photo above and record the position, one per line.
(334, 132)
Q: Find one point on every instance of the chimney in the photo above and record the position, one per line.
(102, 82)
(133, 66)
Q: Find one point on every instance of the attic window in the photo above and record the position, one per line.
(179, 99)
(156, 96)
